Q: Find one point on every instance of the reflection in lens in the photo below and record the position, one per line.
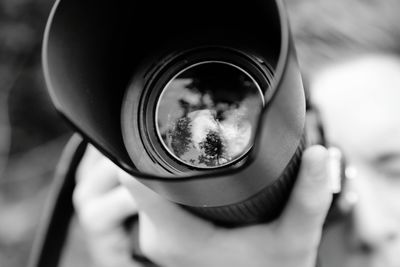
(207, 114)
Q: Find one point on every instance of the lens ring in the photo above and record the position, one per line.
(206, 114)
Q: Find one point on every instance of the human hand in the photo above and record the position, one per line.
(103, 205)
(173, 237)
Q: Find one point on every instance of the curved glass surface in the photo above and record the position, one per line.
(207, 114)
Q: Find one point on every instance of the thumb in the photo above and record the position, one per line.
(310, 200)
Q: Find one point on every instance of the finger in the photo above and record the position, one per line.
(161, 219)
(152, 204)
(91, 156)
(107, 212)
(95, 180)
(311, 198)
(112, 249)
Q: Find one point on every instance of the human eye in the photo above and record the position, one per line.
(389, 165)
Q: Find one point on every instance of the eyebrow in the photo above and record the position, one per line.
(387, 158)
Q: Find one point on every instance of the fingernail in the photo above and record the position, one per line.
(334, 169)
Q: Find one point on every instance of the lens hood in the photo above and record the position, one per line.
(94, 50)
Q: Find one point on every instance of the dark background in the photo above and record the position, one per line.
(32, 135)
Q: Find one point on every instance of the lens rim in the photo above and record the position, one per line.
(164, 90)
(163, 73)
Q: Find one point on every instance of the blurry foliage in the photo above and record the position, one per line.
(213, 149)
(31, 115)
(180, 136)
(31, 133)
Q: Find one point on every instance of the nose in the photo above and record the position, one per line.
(374, 227)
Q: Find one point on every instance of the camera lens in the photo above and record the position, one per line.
(207, 114)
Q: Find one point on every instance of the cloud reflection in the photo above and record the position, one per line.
(208, 123)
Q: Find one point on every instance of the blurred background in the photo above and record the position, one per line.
(32, 135)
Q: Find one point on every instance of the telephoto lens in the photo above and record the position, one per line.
(202, 103)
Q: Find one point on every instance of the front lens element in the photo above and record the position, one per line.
(207, 114)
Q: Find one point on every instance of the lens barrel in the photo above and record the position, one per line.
(199, 110)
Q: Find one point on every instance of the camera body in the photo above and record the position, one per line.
(107, 66)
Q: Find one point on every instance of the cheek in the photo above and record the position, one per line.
(379, 202)
(378, 194)
(390, 195)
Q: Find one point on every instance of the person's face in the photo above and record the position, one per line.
(360, 107)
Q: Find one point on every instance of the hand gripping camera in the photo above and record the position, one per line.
(202, 102)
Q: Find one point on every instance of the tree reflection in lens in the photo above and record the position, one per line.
(207, 114)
